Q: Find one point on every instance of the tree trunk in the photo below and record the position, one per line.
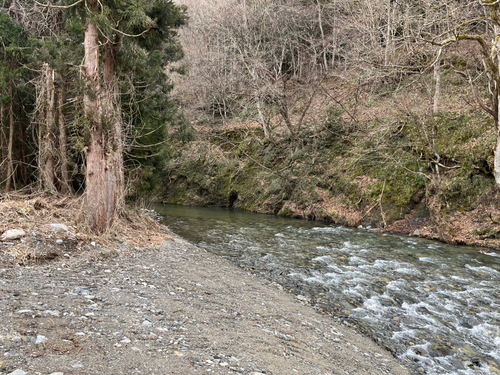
(3, 145)
(437, 86)
(100, 202)
(388, 35)
(112, 116)
(10, 163)
(47, 146)
(24, 142)
(104, 178)
(262, 120)
(323, 41)
(494, 78)
(63, 157)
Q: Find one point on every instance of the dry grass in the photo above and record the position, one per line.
(34, 214)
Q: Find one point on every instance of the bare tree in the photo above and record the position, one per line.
(249, 54)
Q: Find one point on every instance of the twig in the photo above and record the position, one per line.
(58, 6)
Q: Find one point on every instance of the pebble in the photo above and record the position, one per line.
(12, 234)
(40, 339)
(59, 242)
(52, 313)
(81, 290)
(57, 373)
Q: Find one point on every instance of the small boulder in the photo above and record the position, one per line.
(18, 372)
(12, 234)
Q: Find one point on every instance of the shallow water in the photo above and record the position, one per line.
(435, 306)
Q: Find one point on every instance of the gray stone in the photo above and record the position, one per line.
(24, 311)
(18, 372)
(12, 234)
(57, 373)
(52, 313)
(416, 233)
(59, 242)
(57, 228)
(81, 290)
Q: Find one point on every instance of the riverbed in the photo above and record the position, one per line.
(436, 307)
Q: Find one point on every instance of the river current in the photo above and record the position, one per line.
(435, 306)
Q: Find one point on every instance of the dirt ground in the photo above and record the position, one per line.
(75, 306)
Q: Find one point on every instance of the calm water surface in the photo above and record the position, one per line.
(437, 307)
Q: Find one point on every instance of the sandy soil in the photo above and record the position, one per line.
(172, 309)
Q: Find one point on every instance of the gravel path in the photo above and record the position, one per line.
(173, 310)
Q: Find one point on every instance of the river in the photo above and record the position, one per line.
(435, 307)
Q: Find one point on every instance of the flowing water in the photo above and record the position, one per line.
(436, 307)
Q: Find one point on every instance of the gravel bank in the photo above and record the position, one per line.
(173, 310)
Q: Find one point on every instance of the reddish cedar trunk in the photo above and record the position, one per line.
(112, 116)
(99, 207)
(104, 180)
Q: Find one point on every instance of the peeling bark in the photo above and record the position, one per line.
(104, 177)
(47, 145)
(63, 157)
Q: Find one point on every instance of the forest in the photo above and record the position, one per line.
(359, 112)
(84, 100)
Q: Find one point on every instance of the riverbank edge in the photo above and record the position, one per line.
(423, 221)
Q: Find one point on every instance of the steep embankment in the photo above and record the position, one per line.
(381, 164)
